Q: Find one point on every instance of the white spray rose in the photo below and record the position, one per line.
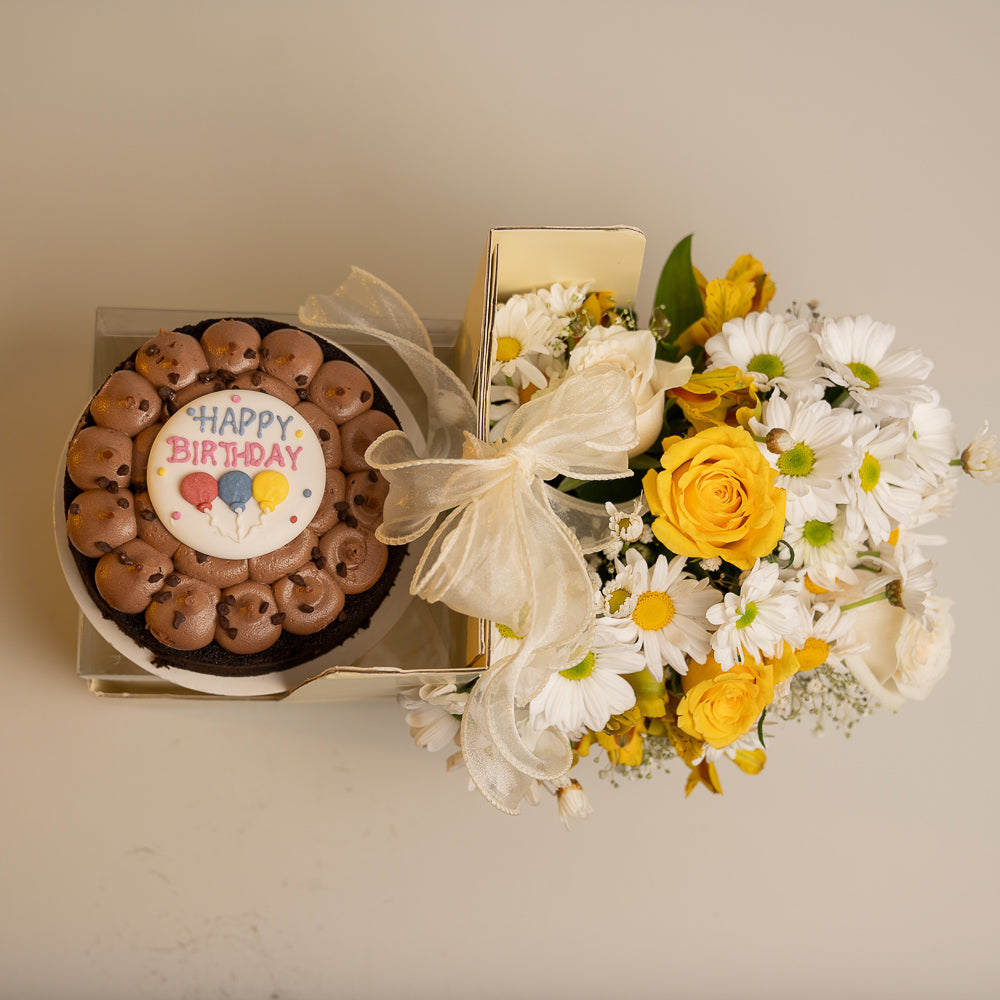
(649, 379)
(903, 659)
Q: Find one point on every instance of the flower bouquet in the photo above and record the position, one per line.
(682, 534)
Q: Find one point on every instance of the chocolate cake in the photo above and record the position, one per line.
(218, 504)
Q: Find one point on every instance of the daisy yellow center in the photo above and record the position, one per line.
(817, 533)
(869, 473)
(866, 374)
(507, 633)
(797, 461)
(654, 610)
(768, 365)
(582, 670)
(617, 599)
(508, 348)
(813, 654)
(749, 614)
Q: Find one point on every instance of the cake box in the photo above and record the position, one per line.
(409, 641)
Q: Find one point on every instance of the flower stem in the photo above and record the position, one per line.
(880, 596)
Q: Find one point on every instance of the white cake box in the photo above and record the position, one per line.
(409, 641)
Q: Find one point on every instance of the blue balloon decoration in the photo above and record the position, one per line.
(235, 489)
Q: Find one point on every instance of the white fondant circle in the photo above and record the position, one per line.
(260, 444)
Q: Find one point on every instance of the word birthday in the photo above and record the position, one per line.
(252, 454)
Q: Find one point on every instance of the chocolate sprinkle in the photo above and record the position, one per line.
(74, 508)
(173, 579)
(122, 470)
(152, 350)
(373, 475)
(200, 557)
(277, 619)
(297, 580)
(341, 505)
(341, 569)
(162, 596)
(112, 488)
(256, 378)
(301, 379)
(222, 609)
(144, 405)
(249, 353)
(324, 434)
(147, 515)
(306, 609)
(365, 396)
(155, 578)
(359, 499)
(173, 378)
(179, 619)
(315, 553)
(231, 632)
(263, 607)
(103, 546)
(351, 521)
(319, 562)
(103, 482)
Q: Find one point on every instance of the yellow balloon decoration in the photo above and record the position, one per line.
(269, 489)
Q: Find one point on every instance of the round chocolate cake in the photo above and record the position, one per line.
(218, 504)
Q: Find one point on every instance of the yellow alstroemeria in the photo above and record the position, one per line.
(746, 288)
(750, 761)
(650, 694)
(598, 305)
(721, 396)
(621, 739)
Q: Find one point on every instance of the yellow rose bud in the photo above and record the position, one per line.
(720, 706)
(715, 496)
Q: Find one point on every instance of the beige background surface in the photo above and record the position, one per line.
(244, 155)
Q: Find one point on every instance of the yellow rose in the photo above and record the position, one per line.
(719, 706)
(715, 496)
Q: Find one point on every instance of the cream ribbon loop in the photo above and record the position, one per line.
(509, 547)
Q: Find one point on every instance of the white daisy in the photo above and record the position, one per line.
(981, 459)
(626, 524)
(504, 641)
(884, 491)
(586, 695)
(523, 332)
(563, 300)
(812, 459)
(931, 446)
(432, 712)
(825, 550)
(758, 620)
(883, 383)
(504, 400)
(664, 610)
(773, 350)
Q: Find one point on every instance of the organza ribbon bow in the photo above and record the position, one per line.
(504, 551)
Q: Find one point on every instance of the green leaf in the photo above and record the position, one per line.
(760, 727)
(677, 293)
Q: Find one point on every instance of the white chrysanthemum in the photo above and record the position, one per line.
(523, 331)
(814, 457)
(981, 459)
(431, 711)
(664, 610)
(831, 636)
(773, 350)
(586, 695)
(758, 620)
(931, 446)
(905, 576)
(825, 550)
(884, 492)
(883, 383)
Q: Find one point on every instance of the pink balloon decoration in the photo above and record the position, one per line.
(199, 489)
